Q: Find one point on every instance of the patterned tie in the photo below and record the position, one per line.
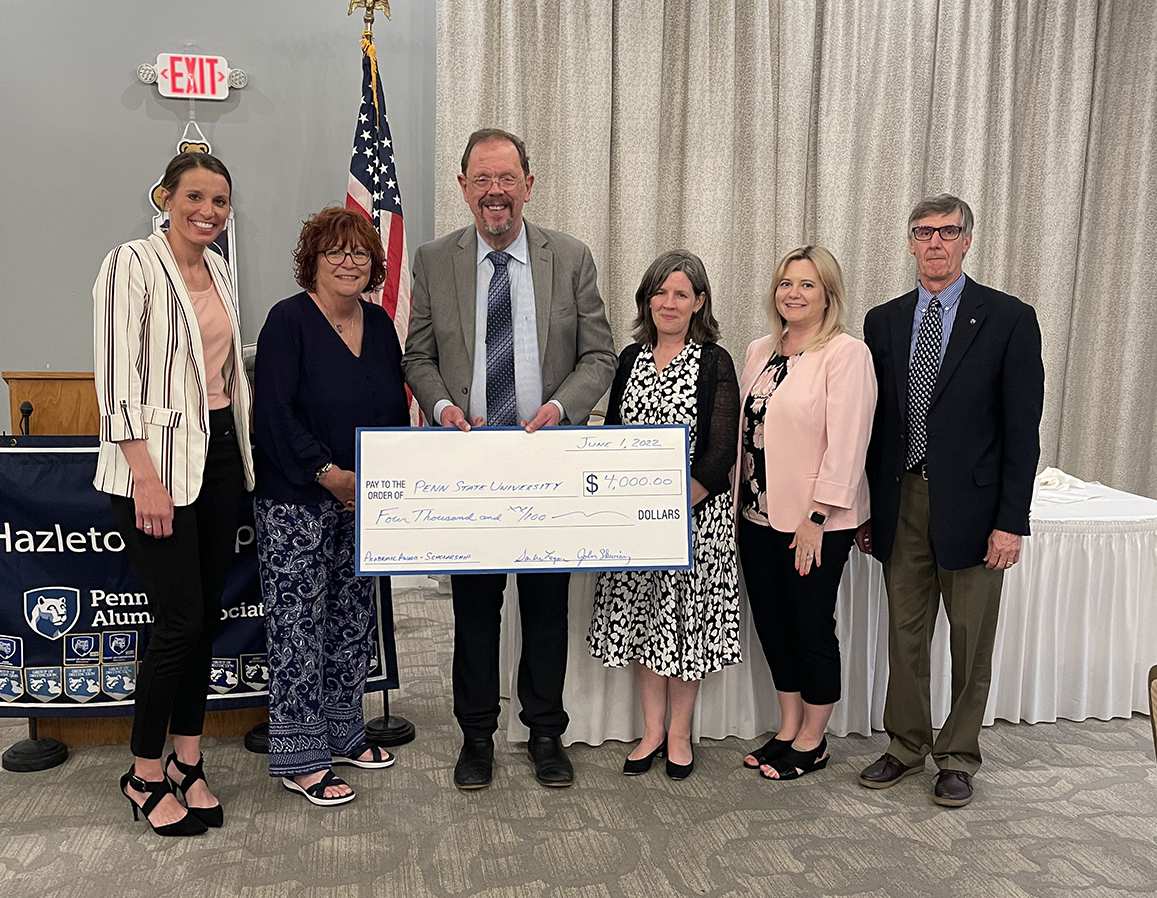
(501, 402)
(921, 380)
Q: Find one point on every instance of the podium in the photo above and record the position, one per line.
(64, 402)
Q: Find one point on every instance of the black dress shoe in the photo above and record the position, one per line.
(953, 788)
(643, 764)
(886, 772)
(679, 771)
(551, 765)
(475, 767)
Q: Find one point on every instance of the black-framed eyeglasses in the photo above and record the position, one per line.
(337, 256)
(506, 182)
(923, 233)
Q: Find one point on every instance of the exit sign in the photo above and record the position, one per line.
(193, 77)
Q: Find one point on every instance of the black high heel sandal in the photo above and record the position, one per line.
(642, 765)
(156, 790)
(214, 816)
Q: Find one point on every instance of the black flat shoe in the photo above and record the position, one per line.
(475, 767)
(213, 816)
(772, 750)
(551, 765)
(156, 790)
(795, 764)
(679, 771)
(642, 765)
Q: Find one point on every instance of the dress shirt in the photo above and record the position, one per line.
(949, 302)
(523, 318)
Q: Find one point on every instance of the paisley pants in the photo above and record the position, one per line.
(318, 619)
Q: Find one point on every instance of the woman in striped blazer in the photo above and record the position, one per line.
(176, 460)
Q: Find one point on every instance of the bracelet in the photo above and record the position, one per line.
(322, 471)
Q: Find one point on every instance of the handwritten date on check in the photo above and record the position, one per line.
(436, 500)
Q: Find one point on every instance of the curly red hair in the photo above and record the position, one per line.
(333, 228)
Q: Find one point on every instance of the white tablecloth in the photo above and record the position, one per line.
(1076, 638)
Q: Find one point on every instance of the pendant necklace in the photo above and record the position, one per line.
(328, 317)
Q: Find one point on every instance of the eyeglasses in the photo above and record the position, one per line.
(923, 233)
(337, 256)
(506, 182)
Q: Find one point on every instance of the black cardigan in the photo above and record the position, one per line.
(717, 414)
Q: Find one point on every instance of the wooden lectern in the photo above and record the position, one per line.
(64, 402)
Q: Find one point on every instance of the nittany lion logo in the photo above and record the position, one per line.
(52, 611)
(10, 651)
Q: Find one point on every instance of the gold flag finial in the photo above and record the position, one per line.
(369, 6)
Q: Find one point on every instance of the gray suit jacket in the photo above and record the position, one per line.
(575, 349)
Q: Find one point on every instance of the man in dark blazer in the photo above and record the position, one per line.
(507, 328)
(951, 465)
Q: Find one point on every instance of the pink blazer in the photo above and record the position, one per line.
(815, 432)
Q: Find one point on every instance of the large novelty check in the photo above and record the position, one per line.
(436, 500)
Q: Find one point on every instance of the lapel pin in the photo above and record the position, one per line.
(972, 321)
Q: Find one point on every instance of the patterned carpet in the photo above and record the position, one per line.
(1062, 810)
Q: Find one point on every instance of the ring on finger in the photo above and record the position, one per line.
(148, 526)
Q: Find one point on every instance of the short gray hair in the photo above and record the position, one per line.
(943, 204)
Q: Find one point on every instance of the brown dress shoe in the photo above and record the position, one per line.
(953, 788)
(886, 772)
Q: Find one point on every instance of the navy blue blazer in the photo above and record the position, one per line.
(983, 423)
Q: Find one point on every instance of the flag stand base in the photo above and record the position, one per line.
(32, 754)
(390, 731)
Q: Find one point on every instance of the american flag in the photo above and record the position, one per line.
(373, 191)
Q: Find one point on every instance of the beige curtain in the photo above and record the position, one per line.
(741, 130)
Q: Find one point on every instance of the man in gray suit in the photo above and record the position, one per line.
(507, 329)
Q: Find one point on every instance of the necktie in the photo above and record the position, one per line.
(501, 402)
(921, 380)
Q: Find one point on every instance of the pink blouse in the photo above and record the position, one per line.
(216, 342)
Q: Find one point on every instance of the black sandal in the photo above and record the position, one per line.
(795, 764)
(772, 750)
(315, 794)
(213, 816)
(188, 825)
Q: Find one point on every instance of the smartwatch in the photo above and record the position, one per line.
(817, 517)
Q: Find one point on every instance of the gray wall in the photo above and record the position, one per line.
(82, 141)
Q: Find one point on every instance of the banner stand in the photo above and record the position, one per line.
(31, 754)
(257, 739)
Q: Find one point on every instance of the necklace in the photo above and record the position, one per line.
(328, 317)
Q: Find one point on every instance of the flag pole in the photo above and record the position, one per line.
(389, 729)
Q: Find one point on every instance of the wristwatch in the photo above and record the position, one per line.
(817, 517)
(322, 471)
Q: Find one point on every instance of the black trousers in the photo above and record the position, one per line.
(542, 604)
(184, 576)
(795, 616)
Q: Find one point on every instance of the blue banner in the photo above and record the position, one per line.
(73, 616)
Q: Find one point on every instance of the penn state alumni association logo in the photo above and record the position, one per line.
(52, 611)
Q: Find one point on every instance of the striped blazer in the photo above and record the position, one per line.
(150, 369)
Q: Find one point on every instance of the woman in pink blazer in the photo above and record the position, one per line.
(808, 394)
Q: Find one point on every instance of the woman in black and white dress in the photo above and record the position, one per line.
(676, 627)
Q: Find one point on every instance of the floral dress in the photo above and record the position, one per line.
(677, 623)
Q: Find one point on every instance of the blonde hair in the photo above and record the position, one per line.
(831, 279)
